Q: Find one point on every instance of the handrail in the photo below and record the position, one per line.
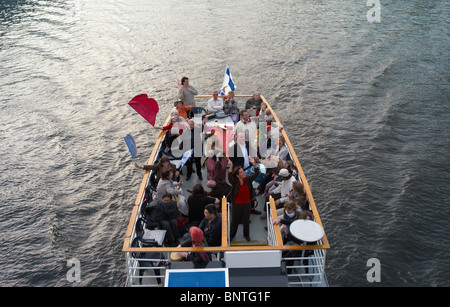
(209, 96)
(277, 228)
(224, 246)
(312, 203)
(224, 222)
(139, 198)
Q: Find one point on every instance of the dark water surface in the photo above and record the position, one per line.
(366, 106)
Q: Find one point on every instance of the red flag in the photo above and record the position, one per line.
(147, 107)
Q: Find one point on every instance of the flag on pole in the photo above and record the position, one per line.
(186, 157)
(178, 84)
(228, 84)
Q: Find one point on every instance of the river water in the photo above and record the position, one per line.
(365, 104)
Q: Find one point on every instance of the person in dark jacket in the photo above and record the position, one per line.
(241, 196)
(196, 239)
(240, 154)
(218, 185)
(253, 105)
(212, 226)
(241, 151)
(292, 212)
(196, 156)
(165, 212)
(197, 203)
(164, 163)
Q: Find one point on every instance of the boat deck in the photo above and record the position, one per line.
(261, 261)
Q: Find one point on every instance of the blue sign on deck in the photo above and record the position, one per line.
(197, 278)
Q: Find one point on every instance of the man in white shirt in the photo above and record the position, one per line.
(280, 193)
(247, 126)
(243, 148)
(215, 104)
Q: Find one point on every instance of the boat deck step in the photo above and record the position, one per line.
(244, 242)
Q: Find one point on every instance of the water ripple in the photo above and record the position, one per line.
(371, 124)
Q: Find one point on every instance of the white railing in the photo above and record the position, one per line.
(149, 276)
(306, 270)
(271, 237)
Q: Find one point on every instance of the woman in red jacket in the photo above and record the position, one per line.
(241, 196)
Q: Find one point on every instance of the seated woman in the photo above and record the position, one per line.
(195, 239)
(182, 109)
(281, 151)
(298, 194)
(165, 185)
(197, 203)
(173, 130)
(163, 163)
(230, 107)
(291, 213)
(262, 113)
(165, 213)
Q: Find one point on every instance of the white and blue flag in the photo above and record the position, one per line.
(228, 84)
(186, 157)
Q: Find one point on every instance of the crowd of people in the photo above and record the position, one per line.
(197, 220)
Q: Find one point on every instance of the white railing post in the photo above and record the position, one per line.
(309, 274)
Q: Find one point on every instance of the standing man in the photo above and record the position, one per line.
(241, 155)
(247, 126)
(187, 92)
(241, 151)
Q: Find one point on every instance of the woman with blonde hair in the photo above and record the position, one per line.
(229, 104)
(298, 194)
(166, 185)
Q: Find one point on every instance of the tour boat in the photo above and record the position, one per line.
(263, 261)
